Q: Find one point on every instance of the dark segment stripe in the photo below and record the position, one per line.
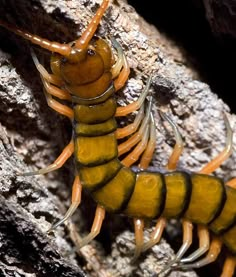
(93, 178)
(92, 130)
(148, 198)
(115, 194)
(179, 188)
(208, 193)
(227, 217)
(92, 151)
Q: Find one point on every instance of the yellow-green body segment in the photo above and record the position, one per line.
(202, 199)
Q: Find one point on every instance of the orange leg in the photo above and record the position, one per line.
(229, 267)
(55, 91)
(156, 234)
(178, 148)
(232, 183)
(96, 227)
(64, 156)
(75, 201)
(214, 251)
(123, 111)
(134, 139)
(52, 90)
(138, 150)
(216, 162)
(204, 243)
(122, 61)
(51, 78)
(148, 153)
(138, 227)
(115, 71)
(131, 128)
(187, 241)
(58, 107)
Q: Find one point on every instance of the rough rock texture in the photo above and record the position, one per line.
(32, 136)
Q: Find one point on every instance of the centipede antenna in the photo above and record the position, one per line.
(63, 49)
(83, 41)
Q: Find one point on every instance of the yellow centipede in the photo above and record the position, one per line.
(85, 74)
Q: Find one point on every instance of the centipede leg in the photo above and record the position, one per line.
(75, 201)
(156, 234)
(187, 241)
(178, 148)
(123, 111)
(148, 153)
(214, 251)
(52, 90)
(122, 61)
(96, 227)
(51, 78)
(204, 243)
(58, 107)
(116, 68)
(232, 183)
(229, 267)
(131, 128)
(138, 150)
(139, 135)
(138, 227)
(217, 161)
(59, 162)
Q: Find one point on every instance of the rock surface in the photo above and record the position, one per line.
(32, 136)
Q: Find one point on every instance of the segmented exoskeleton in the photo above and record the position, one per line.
(85, 74)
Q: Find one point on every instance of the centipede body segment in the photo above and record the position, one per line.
(86, 74)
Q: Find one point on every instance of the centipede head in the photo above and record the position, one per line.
(88, 58)
(80, 62)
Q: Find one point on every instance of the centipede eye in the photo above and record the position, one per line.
(91, 52)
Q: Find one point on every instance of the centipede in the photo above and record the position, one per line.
(112, 163)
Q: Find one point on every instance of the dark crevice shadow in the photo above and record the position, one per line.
(185, 23)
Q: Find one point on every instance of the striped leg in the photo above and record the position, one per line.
(96, 227)
(135, 138)
(223, 156)
(148, 153)
(229, 267)
(59, 162)
(131, 128)
(178, 148)
(187, 241)
(50, 78)
(138, 228)
(204, 244)
(123, 111)
(121, 62)
(53, 90)
(232, 183)
(156, 234)
(75, 201)
(214, 251)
